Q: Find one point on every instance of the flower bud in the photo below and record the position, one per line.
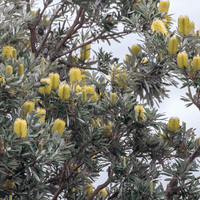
(20, 127)
(14, 54)
(28, 107)
(41, 146)
(9, 69)
(136, 49)
(173, 45)
(112, 98)
(128, 59)
(103, 192)
(20, 70)
(124, 162)
(84, 96)
(85, 52)
(163, 6)
(47, 88)
(59, 126)
(158, 25)
(42, 64)
(55, 78)
(107, 130)
(10, 197)
(198, 141)
(41, 111)
(173, 124)
(64, 91)
(183, 25)
(196, 63)
(182, 60)
(151, 187)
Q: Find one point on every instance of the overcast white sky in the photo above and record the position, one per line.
(172, 106)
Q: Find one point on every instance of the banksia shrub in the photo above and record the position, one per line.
(55, 78)
(75, 75)
(196, 63)
(9, 69)
(173, 124)
(59, 126)
(163, 6)
(158, 25)
(183, 25)
(41, 111)
(136, 49)
(20, 127)
(64, 91)
(85, 52)
(47, 88)
(20, 70)
(28, 107)
(173, 45)
(140, 112)
(182, 60)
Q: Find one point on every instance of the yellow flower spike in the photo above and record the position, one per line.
(103, 192)
(191, 27)
(41, 111)
(75, 75)
(183, 25)
(2, 80)
(85, 52)
(173, 45)
(42, 64)
(47, 88)
(55, 78)
(90, 89)
(9, 184)
(124, 162)
(128, 59)
(158, 25)
(112, 98)
(84, 96)
(7, 51)
(20, 127)
(9, 69)
(151, 187)
(198, 32)
(20, 70)
(34, 12)
(173, 124)
(89, 189)
(73, 190)
(140, 112)
(198, 141)
(28, 107)
(196, 63)
(94, 97)
(136, 49)
(64, 91)
(10, 197)
(40, 146)
(14, 53)
(163, 6)
(59, 126)
(182, 60)
(107, 130)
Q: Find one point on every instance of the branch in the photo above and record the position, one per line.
(195, 154)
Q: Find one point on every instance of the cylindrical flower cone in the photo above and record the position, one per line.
(196, 63)
(20, 70)
(47, 88)
(55, 78)
(163, 6)
(42, 64)
(182, 60)
(64, 91)
(9, 69)
(173, 45)
(59, 126)
(136, 49)
(14, 54)
(84, 96)
(112, 98)
(20, 127)
(85, 52)
(183, 25)
(28, 107)
(158, 25)
(173, 124)
(75, 75)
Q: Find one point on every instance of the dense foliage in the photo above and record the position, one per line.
(68, 112)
